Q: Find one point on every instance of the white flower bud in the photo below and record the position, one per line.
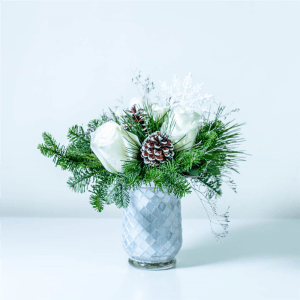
(187, 123)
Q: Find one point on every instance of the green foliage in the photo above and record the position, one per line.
(79, 140)
(94, 124)
(152, 125)
(167, 176)
(107, 191)
(207, 163)
(62, 156)
(82, 178)
(214, 154)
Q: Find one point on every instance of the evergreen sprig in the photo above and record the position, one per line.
(207, 163)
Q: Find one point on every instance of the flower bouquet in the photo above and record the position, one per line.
(147, 156)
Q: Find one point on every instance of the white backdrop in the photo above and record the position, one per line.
(63, 62)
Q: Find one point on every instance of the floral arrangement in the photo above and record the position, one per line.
(176, 142)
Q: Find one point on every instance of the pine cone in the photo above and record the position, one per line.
(157, 149)
(138, 115)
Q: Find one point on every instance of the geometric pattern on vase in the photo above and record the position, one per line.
(152, 230)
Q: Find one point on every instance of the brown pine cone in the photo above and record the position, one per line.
(157, 149)
(138, 115)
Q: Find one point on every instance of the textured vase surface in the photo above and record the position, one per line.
(152, 230)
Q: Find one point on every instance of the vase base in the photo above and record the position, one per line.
(152, 266)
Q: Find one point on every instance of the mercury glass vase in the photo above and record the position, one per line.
(152, 232)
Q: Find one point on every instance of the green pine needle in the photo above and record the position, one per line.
(214, 155)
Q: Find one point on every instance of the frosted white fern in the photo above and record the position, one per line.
(185, 93)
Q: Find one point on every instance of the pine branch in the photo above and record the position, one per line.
(81, 179)
(206, 163)
(166, 176)
(97, 202)
(93, 125)
(66, 158)
(76, 133)
(119, 194)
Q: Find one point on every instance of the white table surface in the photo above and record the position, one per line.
(84, 259)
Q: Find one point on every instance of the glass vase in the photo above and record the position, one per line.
(152, 231)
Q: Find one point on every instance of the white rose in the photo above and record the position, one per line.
(158, 111)
(187, 123)
(110, 143)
